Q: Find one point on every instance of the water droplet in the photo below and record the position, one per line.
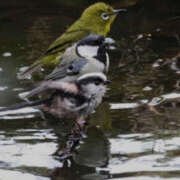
(3, 88)
(147, 88)
(7, 54)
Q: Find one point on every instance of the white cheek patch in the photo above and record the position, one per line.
(88, 51)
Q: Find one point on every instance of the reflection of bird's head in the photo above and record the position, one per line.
(99, 17)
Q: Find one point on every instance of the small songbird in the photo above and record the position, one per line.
(69, 100)
(87, 55)
(96, 19)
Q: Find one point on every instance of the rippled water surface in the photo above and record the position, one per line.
(133, 135)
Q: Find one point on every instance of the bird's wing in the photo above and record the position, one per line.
(52, 82)
(66, 40)
(52, 86)
(58, 73)
(41, 88)
(67, 69)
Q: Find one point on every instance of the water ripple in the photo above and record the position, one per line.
(23, 113)
(139, 153)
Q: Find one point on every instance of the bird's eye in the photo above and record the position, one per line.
(97, 82)
(70, 70)
(70, 67)
(104, 16)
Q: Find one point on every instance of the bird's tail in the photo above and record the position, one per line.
(24, 105)
(34, 67)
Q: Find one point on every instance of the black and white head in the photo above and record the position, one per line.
(95, 46)
(93, 85)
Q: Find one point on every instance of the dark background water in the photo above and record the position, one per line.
(134, 134)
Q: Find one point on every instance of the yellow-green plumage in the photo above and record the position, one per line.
(90, 22)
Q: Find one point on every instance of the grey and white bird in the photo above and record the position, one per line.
(87, 55)
(75, 99)
(62, 99)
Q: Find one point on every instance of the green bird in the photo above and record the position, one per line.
(96, 19)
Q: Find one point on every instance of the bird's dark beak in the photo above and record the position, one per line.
(109, 43)
(117, 11)
(107, 82)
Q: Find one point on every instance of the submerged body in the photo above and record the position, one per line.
(96, 19)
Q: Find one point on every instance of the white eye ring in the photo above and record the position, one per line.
(104, 16)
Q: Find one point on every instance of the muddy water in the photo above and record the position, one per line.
(133, 135)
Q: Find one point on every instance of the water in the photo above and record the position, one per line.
(133, 135)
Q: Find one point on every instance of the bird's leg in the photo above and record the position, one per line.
(79, 125)
(73, 139)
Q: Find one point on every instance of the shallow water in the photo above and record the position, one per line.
(133, 135)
